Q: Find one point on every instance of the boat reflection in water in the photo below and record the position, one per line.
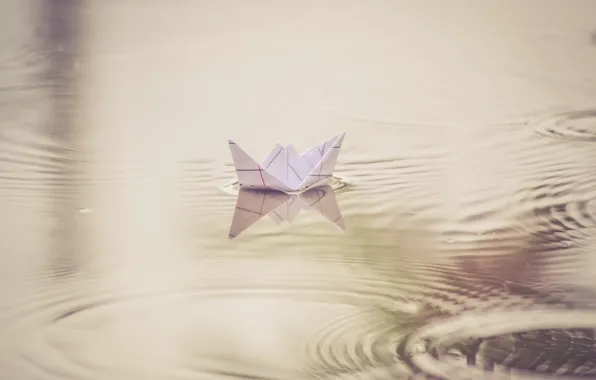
(252, 205)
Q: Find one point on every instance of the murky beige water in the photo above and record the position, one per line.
(468, 212)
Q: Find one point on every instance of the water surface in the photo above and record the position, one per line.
(469, 205)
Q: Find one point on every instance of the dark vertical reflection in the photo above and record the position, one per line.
(59, 35)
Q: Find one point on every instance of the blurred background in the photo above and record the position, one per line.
(466, 183)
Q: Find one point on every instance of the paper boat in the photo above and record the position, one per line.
(284, 169)
(252, 205)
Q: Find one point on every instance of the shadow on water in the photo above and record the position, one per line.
(38, 165)
(512, 316)
(59, 39)
(533, 273)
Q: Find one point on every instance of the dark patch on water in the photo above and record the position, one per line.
(538, 344)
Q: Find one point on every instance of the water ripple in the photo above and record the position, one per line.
(342, 325)
(336, 183)
(432, 348)
(358, 342)
(45, 334)
(572, 125)
(558, 213)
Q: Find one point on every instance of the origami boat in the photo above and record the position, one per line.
(284, 169)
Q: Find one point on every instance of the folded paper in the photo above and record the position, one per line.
(284, 169)
(253, 204)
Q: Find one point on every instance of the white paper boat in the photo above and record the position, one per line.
(252, 205)
(284, 169)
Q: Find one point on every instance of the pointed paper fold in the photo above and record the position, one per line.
(323, 169)
(286, 170)
(252, 205)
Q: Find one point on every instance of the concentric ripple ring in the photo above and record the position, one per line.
(573, 125)
(483, 325)
(336, 183)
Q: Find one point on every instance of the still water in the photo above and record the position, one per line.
(457, 242)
